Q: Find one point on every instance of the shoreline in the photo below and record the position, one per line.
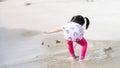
(59, 53)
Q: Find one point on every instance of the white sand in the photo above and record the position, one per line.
(21, 35)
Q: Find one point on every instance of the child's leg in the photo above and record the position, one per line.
(83, 43)
(70, 48)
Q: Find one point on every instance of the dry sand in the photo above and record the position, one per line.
(23, 45)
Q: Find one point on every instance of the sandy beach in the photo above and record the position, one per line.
(24, 45)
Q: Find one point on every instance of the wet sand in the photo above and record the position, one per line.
(39, 50)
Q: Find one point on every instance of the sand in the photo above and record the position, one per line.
(23, 44)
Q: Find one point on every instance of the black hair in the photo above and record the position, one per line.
(80, 20)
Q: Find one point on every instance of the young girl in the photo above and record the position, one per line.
(73, 32)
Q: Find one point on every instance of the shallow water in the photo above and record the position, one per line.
(26, 48)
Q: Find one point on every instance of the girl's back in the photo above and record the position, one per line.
(73, 31)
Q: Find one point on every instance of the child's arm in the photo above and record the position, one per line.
(53, 31)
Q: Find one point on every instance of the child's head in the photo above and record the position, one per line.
(80, 20)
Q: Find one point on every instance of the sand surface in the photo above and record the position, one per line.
(23, 44)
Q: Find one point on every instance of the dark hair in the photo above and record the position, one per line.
(80, 20)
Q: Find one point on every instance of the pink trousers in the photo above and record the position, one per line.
(81, 42)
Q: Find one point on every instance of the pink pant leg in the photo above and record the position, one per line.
(70, 48)
(83, 43)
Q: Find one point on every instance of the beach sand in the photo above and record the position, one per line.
(23, 44)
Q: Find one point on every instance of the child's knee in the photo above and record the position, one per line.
(84, 42)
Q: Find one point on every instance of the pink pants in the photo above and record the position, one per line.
(82, 42)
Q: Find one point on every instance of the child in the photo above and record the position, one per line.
(73, 32)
